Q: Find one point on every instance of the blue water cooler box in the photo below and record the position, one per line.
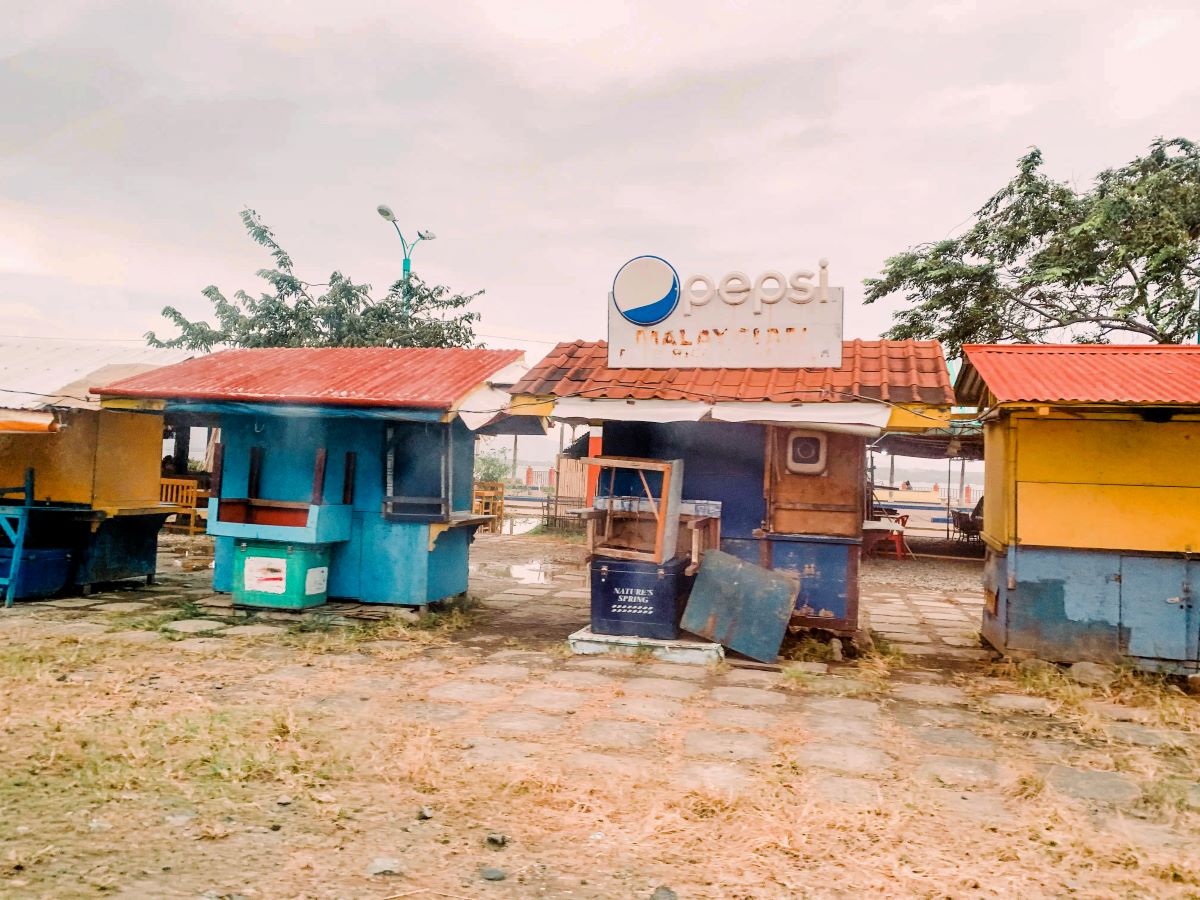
(639, 599)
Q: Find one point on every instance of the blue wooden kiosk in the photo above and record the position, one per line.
(781, 452)
(341, 472)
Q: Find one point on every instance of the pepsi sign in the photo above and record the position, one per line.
(658, 320)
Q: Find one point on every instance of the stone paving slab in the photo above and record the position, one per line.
(607, 764)
(499, 750)
(552, 699)
(758, 678)
(1020, 703)
(466, 692)
(135, 637)
(584, 680)
(728, 745)
(714, 777)
(423, 711)
(200, 645)
(748, 696)
(497, 672)
(959, 771)
(930, 693)
(1085, 784)
(848, 759)
(649, 709)
(850, 708)
(857, 792)
(675, 670)
(126, 606)
(261, 631)
(740, 717)
(516, 723)
(71, 602)
(194, 626)
(842, 728)
(659, 687)
(613, 734)
(978, 806)
(1141, 736)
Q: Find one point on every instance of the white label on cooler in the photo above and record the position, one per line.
(265, 575)
(316, 580)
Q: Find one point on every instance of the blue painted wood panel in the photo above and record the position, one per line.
(823, 569)
(1157, 610)
(381, 562)
(1066, 605)
(721, 461)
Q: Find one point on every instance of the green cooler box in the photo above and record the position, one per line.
(281, 576)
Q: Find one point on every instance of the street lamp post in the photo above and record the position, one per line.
(426, 235)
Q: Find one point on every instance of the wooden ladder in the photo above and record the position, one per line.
(14, 521)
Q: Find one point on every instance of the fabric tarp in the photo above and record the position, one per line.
(26, 421)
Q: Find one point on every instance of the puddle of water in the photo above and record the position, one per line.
(531, 573)
(522, 525)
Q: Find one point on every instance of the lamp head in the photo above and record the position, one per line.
(386, 212)
(426, 235)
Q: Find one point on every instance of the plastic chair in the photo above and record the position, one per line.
(896, 539)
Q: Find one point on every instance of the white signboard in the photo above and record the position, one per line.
(657, 320)
(316, 580)
(265, 575)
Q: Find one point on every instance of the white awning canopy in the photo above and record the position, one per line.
(868, 419)
(856, 418)
(579, 411)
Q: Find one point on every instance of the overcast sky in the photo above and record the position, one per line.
(545, 143)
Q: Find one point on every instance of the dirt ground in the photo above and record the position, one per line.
(154, 744)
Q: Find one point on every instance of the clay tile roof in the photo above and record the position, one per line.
(896, 371)
(424, 378)
(1082, 373)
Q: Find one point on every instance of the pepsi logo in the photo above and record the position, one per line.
(646, 290)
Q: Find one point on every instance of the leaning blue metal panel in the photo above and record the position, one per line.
(742, 606)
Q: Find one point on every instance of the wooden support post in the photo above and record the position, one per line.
(318, 491)
(348, 477)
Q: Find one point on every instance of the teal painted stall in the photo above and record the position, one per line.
(350, 469)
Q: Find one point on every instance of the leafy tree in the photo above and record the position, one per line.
(343, 314)
(492, 465)
(1044, 262)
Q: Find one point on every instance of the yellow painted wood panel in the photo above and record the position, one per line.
(129, 461)
(1109, 517)
(996, 492)
(1098, 451)
(64, 462)
(917, 418)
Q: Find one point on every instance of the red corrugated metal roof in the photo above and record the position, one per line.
(897, 371)
(331, 376)
(1086, 373)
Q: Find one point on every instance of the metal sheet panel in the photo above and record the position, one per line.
(739, 605)
(422, 378)
(1082, 373)
(36, 372)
